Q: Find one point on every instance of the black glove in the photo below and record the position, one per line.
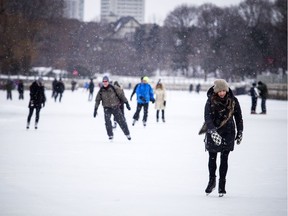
(239, 137)
(95, 113)
(128, 106)
(153, 100)
(164, 103)
(143, 99)
(216, 138)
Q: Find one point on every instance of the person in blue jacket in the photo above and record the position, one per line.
(144, 94)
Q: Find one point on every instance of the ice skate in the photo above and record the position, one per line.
(211, 185)
(36, 125)
(134, 121)
(144, 123)
(128, 137)
(27, 126)
(111, 138)
(221, 187)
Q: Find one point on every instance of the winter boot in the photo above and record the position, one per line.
(221, 187)
(211, 185)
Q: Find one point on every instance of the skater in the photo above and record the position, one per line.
(112, 97)
(20, 88)
(191, 87)
(91, 90)
(54, 84)
(160, 101)
(122, 104)
(60, 88)
(263, 92)
(144, 94)
(37, 101)
(254, 96)
(9, 88)
(73, 85)
(198, 88)
(222, 112)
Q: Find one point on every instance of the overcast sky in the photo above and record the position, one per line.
(155, 10)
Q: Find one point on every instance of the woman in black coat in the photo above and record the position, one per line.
(222, 112)
(37, 101)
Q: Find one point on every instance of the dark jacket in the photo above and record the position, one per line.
(37, 95)
(60, 87)
(217, 111)
(112, 96)
(263, 90)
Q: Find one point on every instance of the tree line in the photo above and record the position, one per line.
(232, 42)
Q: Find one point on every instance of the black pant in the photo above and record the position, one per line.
(56, 95)
(212, 165)
(9, 95)
(139, 107)
(31, 110)
(254, 103)
(263, 105)
(119, 118)
(157, 114)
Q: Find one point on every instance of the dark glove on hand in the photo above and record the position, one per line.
(239, 137)
(128, 106)
(164, 103)
(153, 101)
(95, 113)
(216, 138)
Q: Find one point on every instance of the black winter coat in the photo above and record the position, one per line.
(37, 95)
(217, 111)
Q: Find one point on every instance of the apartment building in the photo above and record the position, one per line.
(74, 9)
(112, 10)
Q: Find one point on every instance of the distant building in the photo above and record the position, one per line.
(74, 9)
(112, 10)
(124, 28)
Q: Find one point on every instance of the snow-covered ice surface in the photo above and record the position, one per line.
(69, 167)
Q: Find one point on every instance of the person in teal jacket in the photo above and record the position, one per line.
(144, 94)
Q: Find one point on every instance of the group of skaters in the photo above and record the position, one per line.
(10, 85)
(58, 88)
(223, 122)
(113, 100)
(255, 92)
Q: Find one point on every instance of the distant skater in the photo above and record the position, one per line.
(254, 96)
(36, 102)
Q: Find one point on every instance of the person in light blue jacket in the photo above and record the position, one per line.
(144, 94)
